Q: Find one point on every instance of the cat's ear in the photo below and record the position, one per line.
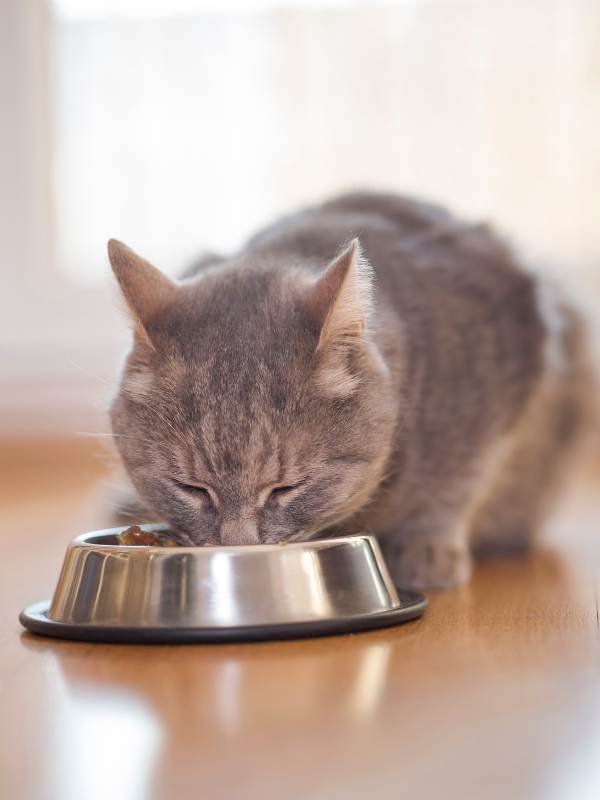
(147, 291)
(342, 300)
(342, 297)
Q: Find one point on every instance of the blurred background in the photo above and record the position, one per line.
(184, 124)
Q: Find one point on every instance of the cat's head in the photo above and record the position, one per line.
(254, 406)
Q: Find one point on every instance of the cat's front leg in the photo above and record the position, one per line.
(428, 558)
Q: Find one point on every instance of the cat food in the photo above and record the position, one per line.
(134, 535)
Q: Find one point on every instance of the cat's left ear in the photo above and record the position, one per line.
(342, 301)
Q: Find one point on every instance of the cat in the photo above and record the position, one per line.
(370, 363)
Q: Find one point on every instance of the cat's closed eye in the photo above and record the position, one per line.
(282, 493)
(193, 489)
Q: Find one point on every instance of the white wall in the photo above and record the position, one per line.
(187, 131)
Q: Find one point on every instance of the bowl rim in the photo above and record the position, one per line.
(83, 540)
(412, 606)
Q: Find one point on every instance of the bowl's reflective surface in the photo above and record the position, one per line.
(108, 585)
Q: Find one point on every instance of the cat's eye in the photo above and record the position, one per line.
(193, 489)
(278, 493)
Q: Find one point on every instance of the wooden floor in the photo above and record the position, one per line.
(494, 694)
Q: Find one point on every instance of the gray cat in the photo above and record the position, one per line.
(419, 384)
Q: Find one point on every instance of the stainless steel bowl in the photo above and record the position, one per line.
(111, 592)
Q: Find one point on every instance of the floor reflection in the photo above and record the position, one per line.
(226, 688)
(105, 742)
(159, 707)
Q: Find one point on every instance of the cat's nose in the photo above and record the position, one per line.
(243, 531)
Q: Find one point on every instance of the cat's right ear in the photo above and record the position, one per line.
(147, 291)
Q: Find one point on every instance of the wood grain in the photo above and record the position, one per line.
(494, 694)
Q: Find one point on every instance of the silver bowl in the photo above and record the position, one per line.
(110, 592)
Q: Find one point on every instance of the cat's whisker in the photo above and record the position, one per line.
(113, 436)
(306, 536)
(89, 374)
(161, 417)
(97, 434)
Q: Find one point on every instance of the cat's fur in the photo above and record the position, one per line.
(421, 385)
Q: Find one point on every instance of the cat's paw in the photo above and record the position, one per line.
(426, 564)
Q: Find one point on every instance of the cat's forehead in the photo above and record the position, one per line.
(239, 420)
(241, 312)
(230, 382)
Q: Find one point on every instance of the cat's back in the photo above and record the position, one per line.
(415, 248)
(315, 230)
(433, 271)
(406, 231)
(455, 288)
